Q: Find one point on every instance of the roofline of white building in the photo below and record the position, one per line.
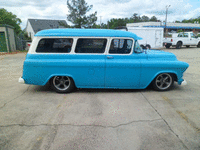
(169, 25)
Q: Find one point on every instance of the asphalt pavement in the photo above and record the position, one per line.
(35, 117)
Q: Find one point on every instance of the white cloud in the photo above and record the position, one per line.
(51, 9)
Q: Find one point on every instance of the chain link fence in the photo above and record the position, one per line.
(21, 42)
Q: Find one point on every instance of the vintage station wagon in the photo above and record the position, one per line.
(98, 58)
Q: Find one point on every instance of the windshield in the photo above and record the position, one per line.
(138, 49)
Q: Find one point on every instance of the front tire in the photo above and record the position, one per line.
(62, 84)
(163, 82)
(198, 46)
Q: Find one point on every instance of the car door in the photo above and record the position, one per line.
(185, 39)
(194, 39)
(122, 65)
(90, 62)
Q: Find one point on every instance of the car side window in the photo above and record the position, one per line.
(86, 45)
(55, 45)
(192, 35)
(180, 35)
(121, 46)
(185, 34)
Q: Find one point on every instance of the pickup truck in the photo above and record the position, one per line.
(182, 39)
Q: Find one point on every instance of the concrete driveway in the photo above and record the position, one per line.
(35, 117)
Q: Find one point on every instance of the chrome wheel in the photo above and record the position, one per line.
(163, 82)
(61, 83)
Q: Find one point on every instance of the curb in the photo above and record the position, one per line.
(9, 53)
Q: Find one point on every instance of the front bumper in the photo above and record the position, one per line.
(21, 80)
(182, 82)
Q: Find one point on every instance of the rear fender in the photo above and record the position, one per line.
(53, 75)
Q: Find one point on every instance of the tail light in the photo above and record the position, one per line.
(171, 40)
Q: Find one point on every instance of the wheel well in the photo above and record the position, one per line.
(142, 46)
(173, 75)
(60, 75)
(148, 46)
(180, 42)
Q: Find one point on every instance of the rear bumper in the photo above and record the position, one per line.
(167, 44)
(21, 80)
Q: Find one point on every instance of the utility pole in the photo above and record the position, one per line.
(167, 7)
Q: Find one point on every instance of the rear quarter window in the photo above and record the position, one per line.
(55, 45)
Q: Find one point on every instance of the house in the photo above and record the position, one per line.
(7, 38)
(35, 25)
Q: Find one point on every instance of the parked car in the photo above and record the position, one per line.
(183, 39)
(198, 35)
(98, 58)
(28, 44)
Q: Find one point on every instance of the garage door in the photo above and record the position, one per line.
(3, 46)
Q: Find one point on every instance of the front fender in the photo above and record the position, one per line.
(160, 72)
(151, 69)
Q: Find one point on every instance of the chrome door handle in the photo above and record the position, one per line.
(110, 57)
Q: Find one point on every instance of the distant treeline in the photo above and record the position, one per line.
(116, 22)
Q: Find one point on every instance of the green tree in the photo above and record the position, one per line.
(153, 18)
(145, 18)
(25, 36)
(64, 25)
(135, 18)
(177, 21)
(192, 20)
(77, 14)
(96, 26)
(113, 23)
(10, 19)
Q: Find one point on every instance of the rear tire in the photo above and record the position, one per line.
(148, 46)
(178, 45)
(62, 84)
(163, 82)
(142, 46)
(167, 46)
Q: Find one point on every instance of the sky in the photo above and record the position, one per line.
(106, 9)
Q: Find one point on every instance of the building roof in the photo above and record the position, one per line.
(5, 25)
(174, 27)
(87, 33)
(41, 24)
(169, 25)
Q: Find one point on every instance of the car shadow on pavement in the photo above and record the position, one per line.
(183, 47)
(48, 89)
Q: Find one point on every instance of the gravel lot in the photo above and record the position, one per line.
(35, 117)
